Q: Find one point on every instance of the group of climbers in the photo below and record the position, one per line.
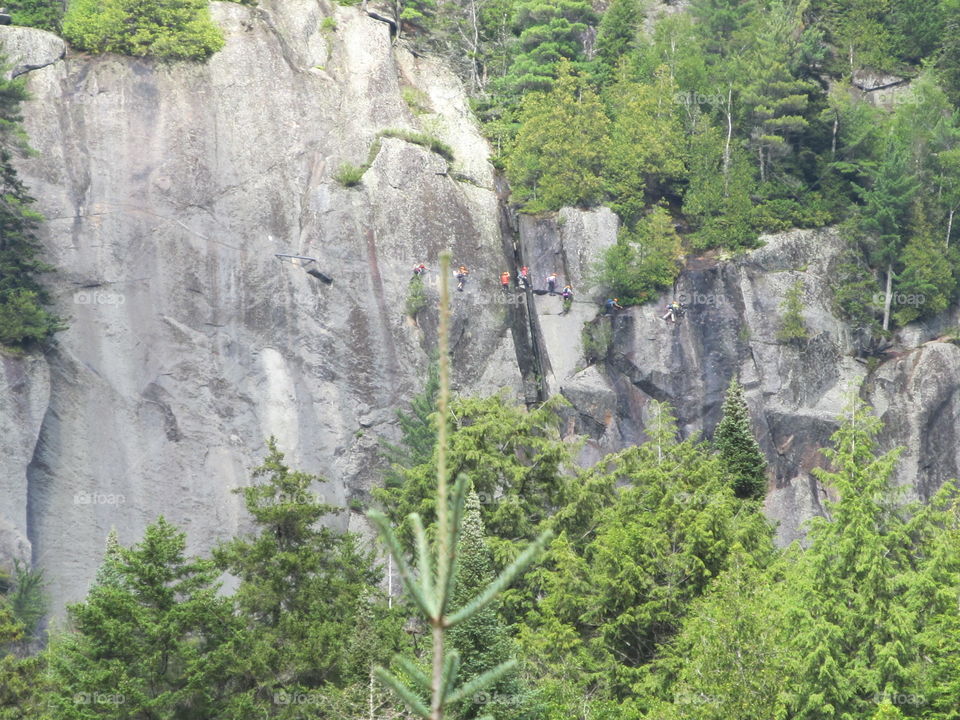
(674, 310)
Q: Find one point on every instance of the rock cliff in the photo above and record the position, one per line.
(169, 188)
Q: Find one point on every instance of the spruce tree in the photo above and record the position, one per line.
(745, 465)
(853, 637)
(151, 641)
(557, 156)
(482, 641)
(24, 319)
(302, 590)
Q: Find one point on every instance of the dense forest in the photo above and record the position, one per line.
(660, 594)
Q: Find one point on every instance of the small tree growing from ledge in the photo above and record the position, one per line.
(793, 329)
(168, 29)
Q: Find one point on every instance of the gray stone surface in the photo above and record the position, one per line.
(28, 49)
(795, 393)
(167, 190)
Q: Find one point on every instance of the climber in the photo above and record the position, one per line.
(567, 296)
(674, 311)
(419, 269)
(522, 278)
(462, 273)
(505, 281)
(612, 304)
(551, 282)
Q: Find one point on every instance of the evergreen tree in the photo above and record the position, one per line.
(644, 155)
(482, 641)
(24, 321)
(417, 432)
(432, 696)
(618, 580)
(152, 642)
(514, 458)
(727, 661)
(883, 216)
(169, 29)
(302, 589)
(643, 261)
(738, 448)
(617, 33)
(793, 329)
(853, 638)
(43, 14)
(949, 57)
(549, 33)
(557, 157)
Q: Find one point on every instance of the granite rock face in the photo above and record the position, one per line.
(796, 392)
(168, 189)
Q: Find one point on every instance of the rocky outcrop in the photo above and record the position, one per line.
(796, 392)
(168, 188)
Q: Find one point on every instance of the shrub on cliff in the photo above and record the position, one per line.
(168, 29)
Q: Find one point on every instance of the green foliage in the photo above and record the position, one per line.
(154, 641)
(644, 154)
(793, 328)
(43, 14)
(643, 261)
(630, 559)
(24, 321)
(549, 36)
(350, 175)
(418, 432)
(167, 29)
(482, 641)
(739, 451)
(596, 338)
(433, 590)
(328, 25)
(303, 589)
(514, 458)
(557, 157)
(430, 142)
(415, 99)
(416, 296)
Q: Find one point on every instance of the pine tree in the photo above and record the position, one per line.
(482, 641)
(24, 320)
(853, 638)
(152, 642)
(739, 450)
(302, 588)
